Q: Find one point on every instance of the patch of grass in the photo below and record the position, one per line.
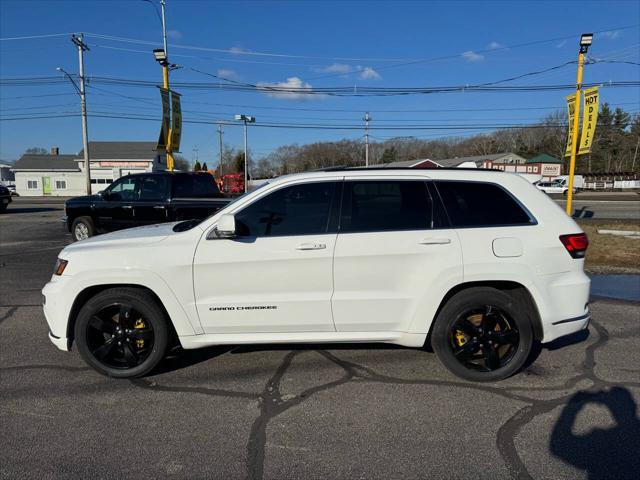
(610, 253)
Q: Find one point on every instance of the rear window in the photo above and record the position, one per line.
(477, 204)
(379, 206)
(195, 186)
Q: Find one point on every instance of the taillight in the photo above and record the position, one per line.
(576, 244)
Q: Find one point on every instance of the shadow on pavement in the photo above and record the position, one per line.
(582, 213)
(612, 452)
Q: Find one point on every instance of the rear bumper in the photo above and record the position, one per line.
(567, 326)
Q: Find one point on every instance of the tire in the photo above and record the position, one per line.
(483, 335)
(82, 228)
(110, 326)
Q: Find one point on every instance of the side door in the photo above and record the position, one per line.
(276, 275)
(394, 249)
(151, 206)
(115, 209)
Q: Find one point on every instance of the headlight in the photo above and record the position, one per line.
(60, 266)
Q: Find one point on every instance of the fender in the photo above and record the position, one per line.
(183, 317)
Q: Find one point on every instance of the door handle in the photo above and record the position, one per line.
(311, 246)
(160, 207)
(435, 241)
(128, 207)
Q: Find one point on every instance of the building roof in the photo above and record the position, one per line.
(46, 162)
(406, 163)
(544, 158)
(120, 151)
(477, 159)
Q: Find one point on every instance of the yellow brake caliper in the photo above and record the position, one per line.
(139, 324)
(461, 338)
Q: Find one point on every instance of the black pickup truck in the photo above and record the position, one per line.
(5, 198)
(144, 199)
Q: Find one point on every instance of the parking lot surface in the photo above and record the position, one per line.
(312, 411)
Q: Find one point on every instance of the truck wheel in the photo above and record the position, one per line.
(82, 228)
(122, 332)
(483, 334)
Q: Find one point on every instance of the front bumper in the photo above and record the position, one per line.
(56, 312)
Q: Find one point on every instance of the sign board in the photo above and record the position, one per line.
(163, 139)
(571, 99)
(550, 169)
(176, 122)
(589, 120)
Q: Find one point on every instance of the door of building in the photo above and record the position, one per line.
(46, 185)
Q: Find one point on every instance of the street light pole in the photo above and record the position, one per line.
(585, 41)
(246, 119)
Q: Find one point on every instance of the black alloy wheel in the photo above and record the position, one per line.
(118, 336)
(484, 338)
(484, 334)
(122, 332)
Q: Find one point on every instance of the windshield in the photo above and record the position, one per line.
(189, 224)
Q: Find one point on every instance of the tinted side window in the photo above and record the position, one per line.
(379, 206)
(195, 186)
(477, 204)
(296, 210)
(125, 189)
(153, 188)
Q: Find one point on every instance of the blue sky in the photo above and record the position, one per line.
(321, 44)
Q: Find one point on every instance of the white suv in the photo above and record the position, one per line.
(480, 264)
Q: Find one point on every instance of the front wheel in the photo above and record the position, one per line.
(483, 335)
(82, 228)
(122, 332)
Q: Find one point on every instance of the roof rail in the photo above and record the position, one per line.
(360, 169)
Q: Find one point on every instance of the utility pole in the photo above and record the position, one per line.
(165, 80)
(220, 133)
(585, 42)
(246, 119)
(366, 139)
(78, 41)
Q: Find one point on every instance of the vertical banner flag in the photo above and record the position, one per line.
(176, 121)
(589, 119)
(166, 120)
(571, 104)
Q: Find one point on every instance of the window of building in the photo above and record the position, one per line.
(295, 210)
(32, 184)
(380, 206)
(479, 204)
(61, 184)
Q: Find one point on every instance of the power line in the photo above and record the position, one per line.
(30, 37)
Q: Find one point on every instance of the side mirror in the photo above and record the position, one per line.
(226, 228)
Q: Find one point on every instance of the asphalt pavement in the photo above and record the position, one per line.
(312, 411)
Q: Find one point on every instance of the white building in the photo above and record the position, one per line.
(64, 175)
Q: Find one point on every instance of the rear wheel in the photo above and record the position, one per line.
(483, 334)
(82, 228)
(122, 332)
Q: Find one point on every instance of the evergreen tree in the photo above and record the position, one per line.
(197, 167)
(204, 167)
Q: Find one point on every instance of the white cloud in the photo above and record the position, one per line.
(493, 45)
(238, 50)
(561, 44)
(227, 73)
(611, 34)
(472, 56)
(294, 83)
(337, 68)
(175, 34)
(368, 73)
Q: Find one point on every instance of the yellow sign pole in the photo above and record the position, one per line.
(574, 134)
(165, 81)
